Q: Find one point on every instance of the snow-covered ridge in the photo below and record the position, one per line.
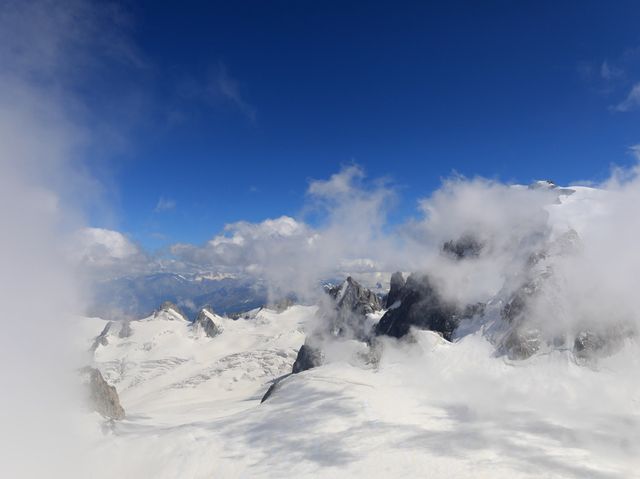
(166, 360)
(193, 406)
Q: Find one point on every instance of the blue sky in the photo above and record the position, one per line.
(228, 109)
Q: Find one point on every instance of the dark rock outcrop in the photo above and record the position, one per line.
(125, 330)
(308, 357)
(587, 343)
(345, 316)
(275, 385)
(396, 285)
(103, 397)
(467, 246)
(206, 324)
(599, 342)
(353, 297)
(251, 314)
(421, 306)
(353, 302)
(103, 338)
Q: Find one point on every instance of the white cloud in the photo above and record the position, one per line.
(292, 255)
(102, 246)
(103, 254)
(610, 72)
(165, 204)
(632, 102)
(352, 235)
(338, 185)
(224, 84)
(248, 247)
(47, 49)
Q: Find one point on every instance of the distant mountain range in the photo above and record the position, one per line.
(138, 296)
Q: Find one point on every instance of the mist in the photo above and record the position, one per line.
(348, 226)
(45, 54)
(354, 233)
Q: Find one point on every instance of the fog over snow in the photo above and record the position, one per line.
(412, 407)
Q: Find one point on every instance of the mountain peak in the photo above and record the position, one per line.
(170, 311)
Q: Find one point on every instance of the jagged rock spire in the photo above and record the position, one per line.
(205, 323)
(102, 396)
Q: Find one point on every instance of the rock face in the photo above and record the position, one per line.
(352, 296)
(125, 330)
(467, 246)
(591, 344)
(520, 343)
(420, 306)
(308, 357)
(103, 338)
(587, 343)
(396, 284)
(274, 387)
(523, 337)
(352, 304)
(104, 398)
(205, 323)
(345, 316)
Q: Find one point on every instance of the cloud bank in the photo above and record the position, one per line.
(346, 230)
(47, 51)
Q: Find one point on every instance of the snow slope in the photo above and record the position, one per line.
(427, 408)
(578, 209)
(166, 363)
(419, 407)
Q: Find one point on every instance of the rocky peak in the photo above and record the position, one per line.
(396, 284)
(102, 396)
(548, 185)
(308, 357)
(352, 302)
(354, 297)
(420, 305)
(345, 313)
(173, 311)
(542, 185)
(121, 329)
(205, 323)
